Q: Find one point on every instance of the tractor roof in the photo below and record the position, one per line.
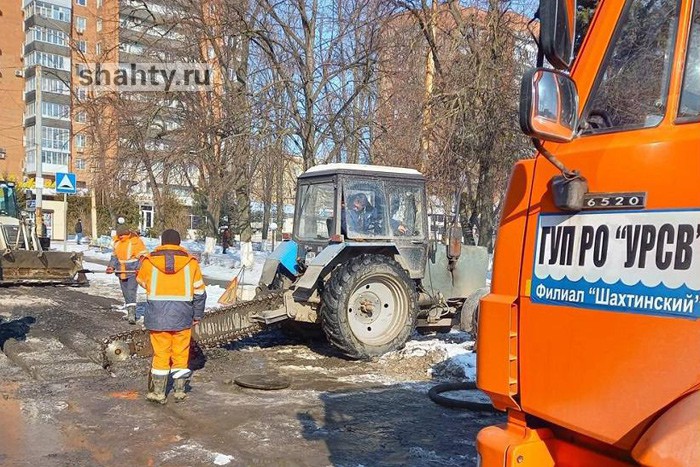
(363, 170)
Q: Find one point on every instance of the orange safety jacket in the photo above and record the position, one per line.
(127, 254)
(175, 289)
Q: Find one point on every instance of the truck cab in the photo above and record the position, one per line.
(590, 341)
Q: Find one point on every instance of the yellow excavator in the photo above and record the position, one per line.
(22, 258)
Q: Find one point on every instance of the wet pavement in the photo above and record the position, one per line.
(58, 407)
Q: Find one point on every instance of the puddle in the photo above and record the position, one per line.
(24, 441)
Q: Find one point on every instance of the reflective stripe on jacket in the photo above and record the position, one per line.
(127, 254)
(175, 289)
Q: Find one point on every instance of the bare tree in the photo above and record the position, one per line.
(479, 54)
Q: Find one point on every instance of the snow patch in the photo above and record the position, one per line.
(222, 459)
(452, 352)
(195, 452)
(315, 369)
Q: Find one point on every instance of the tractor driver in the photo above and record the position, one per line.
(361, 215)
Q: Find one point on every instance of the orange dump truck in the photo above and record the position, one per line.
(590, 337)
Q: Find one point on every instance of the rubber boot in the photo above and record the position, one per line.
(131, 314)
(179, 387)
(156, 388)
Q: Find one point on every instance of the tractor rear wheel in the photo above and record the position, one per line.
(369, 307)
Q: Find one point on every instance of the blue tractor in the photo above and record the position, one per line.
(357, 260)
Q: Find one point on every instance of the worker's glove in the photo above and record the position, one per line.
(110, 270)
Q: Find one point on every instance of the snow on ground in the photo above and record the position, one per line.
(217, 266)
(195, 452)
(453, 353)
(107, 285)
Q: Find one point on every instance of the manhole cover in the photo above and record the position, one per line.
(267, 382)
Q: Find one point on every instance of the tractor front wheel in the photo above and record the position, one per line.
(369, 307)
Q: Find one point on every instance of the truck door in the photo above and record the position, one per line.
(610, 296)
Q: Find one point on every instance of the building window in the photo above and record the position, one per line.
(55, 138)
(99, 3)
(53, 85)
(80, 164)
(146, 218)
(80, 24)
(81, 2)
(47, 10)
(30, 84)
(98, 48)
(82, 46)
(57, 62)
(30, 110)
(81, 93)
(54, 157)
(81, 117)
(52, 110)
(98, 25)
(50, 36)
(80, 140)
(29, 140)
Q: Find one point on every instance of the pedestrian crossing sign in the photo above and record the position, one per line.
(65, 183)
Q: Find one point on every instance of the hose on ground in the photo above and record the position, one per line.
(435, 394)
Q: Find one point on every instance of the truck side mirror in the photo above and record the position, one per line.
(548, 105)
(557, 31)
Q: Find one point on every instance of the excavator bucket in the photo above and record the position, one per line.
(34, 267)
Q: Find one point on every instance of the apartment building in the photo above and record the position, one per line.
(11, 90)
(43, 107)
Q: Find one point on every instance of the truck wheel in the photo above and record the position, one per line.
(469, 316)
(369, 307)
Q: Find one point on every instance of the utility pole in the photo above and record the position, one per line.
(39, 179)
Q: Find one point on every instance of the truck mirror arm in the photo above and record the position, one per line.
(569, 188)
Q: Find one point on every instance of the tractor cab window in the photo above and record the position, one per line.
(631, 90)
(316, 211)
(8, 205)
(405, 210)
(690, 95)
(363, 212)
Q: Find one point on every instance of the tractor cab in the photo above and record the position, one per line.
(9, 215)
(362, 206)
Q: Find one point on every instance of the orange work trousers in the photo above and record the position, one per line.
(171, 351)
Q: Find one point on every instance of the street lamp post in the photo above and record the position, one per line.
(39, 179)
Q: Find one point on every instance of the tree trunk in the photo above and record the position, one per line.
(243, 209)
(267, 207)
(279, 185)
(485, 205)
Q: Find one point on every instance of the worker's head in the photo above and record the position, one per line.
(359, 202)
(170, 237)
(122, 230)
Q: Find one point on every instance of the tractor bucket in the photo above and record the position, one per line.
(33, 267)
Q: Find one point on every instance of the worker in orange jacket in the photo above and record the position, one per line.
(176, 296)
(128, 250)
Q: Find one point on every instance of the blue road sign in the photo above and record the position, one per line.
(66, 183)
